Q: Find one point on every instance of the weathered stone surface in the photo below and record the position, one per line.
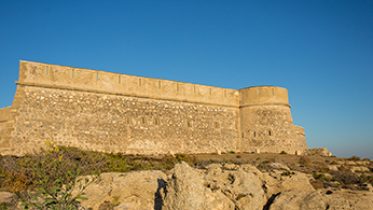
(298, 200)
(349, 200)
(278, 166)
(319, 151)
(230, 166)
(243, 185)
(218, 188)
(275, 182)
(187, 190)
(103, 111)
(318, 200)
(123, 124)
(141, 190)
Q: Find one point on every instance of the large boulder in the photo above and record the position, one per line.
(187, 190)
(351, 200)
(321, 199)
(278, 181)
(298, 200)
(241, 184)
(140, 190)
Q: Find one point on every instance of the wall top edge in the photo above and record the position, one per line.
(26, 62)
(57, 76)
(262, 86)
(181, 82)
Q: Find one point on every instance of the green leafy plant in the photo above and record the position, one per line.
(54, 179)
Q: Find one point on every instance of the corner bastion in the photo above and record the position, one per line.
(118, 113)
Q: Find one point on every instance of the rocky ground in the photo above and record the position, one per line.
(233, 182)
(221, 187)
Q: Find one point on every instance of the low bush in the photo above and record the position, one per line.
(46, 180)
(305, 161)
(21, 174)
(354, 158)
(346, 177)
(322, 177)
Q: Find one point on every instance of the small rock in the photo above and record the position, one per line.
(279, 166)
(359, 169)
(230, 166)
(214, 167)
(319, 151)
(333, 167)
(7, 198)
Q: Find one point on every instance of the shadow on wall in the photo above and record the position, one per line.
(158, 199)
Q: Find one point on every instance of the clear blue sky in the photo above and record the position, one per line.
(321, 50)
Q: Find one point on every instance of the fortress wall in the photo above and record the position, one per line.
(260, 95)
(266, 122)
(5, 114)
(110, 112)
(269, 129)
(299, 139)
(6, 128)
(54, 76)
(116, 123)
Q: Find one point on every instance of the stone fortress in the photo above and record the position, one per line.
(118, 113)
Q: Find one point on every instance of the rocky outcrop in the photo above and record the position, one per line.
(219, 187)
(319, 151)
(188, 189)
(315, 200)
(140, 190)
(212, 187)
(351, 200)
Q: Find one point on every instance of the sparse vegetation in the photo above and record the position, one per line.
(44, 181)
(345, 177)
(107, 205)
(20, 174)
(287, 173)
(354, 158)
(46, 178)
(305, 161)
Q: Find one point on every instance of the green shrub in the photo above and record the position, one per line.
(21, 174)
(321, 177)
(53, 178)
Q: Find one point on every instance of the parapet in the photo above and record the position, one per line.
(63, 77)
(263, 95)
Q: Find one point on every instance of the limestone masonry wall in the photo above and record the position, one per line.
(61, 77)
(110, 112)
